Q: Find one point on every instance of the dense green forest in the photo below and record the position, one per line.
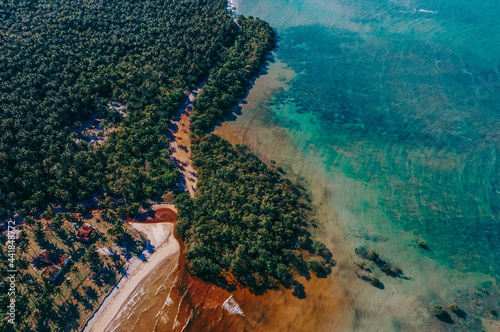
(62, 62)
(245, 219)
(229, 80)
(87, 90)
(246, 225)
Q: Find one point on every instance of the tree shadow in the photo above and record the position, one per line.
(445, 317)
(91, 293)
(298, 290)
(424, 246)
(375, 282)
(324, 272)
(150, 248)
(462, 314)
(303, 271)
(69, 316)
(105, 276)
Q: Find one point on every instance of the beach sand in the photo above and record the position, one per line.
(172, 300)
(165, 249)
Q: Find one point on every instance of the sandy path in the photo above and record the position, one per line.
(180, 143)
(165, 245)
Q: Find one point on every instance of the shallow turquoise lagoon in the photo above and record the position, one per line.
(398, 102)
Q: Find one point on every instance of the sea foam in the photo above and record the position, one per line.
(232, 306)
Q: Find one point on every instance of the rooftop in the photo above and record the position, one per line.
(85, 232)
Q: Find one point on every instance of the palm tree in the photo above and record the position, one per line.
(23, 247)
(93, 259)
(39, 232)
(29, 221)
(57, 291)
(74, 269)
(22, 263)
(80, 209)
(67, 282)
(121, 210)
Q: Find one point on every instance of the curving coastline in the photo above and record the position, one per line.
(162, 249)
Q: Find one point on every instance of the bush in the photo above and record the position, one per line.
(396, 270)
(422, 244)
(437, 310)
(375, 281)
(454, 307)
(318, 248)
(386, 269)
(133, 208)
(373, 255)
(315, 266)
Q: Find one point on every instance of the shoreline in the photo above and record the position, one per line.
(406, 302)
(162, 246)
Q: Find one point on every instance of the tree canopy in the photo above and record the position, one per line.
(229, 80)
(245, 220)
(61, 63)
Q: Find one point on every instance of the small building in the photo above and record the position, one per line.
(52, 263)
(85, 232)
(46, 258)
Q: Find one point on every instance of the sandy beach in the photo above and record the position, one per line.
(163, 247)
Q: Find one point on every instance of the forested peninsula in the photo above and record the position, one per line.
(246, 225)
(87, 91)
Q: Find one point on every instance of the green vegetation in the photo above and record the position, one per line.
(229, 81)
(385, 266)
(245, 222)
(373, 255)
(396, 270)
(61, 65)
(375, 281)
(454, 307)
(422, 244)
(87, 91)
(66, 303)
(92, 258)
(316, 266)
(437, 310)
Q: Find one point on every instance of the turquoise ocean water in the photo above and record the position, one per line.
(398, 104)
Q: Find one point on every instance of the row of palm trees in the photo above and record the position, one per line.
(41, 303)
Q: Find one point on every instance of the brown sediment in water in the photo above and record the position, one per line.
(199, 306)
(162, 256)
(330, 303)
(172, 300)
(402, 305)
(194, 305)
(165, 214)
